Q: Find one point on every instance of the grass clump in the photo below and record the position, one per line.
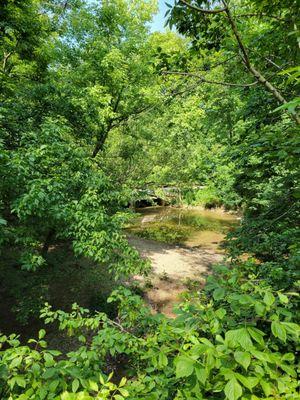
(166, 233)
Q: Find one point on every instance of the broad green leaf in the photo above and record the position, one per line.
(93, 385)
(16, 362)
(289, 370)
(3, 371)
(239, 336)
(53, 385)
(20, 381)
(219, 293)
(233, 390)
(288, 357)
(244, 339)
(220, 313)
(292, 328)
(68, 396)
(184, 367)
(260, 308)
(260, 355)
(266, 386)
(3, 221)
(162, 360)
(49, 361)
(256, 335)
(210, 359)
(42, 334)
(278, 330)
(243, 358)
(75, 385)
(283, 298)
(248, 381)
(201, 374)
(49, 373)
(122, 381)
(269, 298)
(124, 392)
(245, 299)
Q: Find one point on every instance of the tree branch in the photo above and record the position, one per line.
(101, 139)
(118, 100)
(204, 11)
(246, 60)
(211, 67)
(100, 142)
(236, 33)
(263, 15)
(273, 63)
(117, 121)
(244, 54)
(5, 59)
(204, 80)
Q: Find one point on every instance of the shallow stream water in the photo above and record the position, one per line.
(184, 226)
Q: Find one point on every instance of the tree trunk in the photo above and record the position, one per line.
(48, 240)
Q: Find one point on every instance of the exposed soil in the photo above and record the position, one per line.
(174, 267)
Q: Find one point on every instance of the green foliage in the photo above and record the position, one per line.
(53, 188)
(88, 119)
(206, 197)
(65, 197)
(239, 345)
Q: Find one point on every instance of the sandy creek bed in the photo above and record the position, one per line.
(174, 266)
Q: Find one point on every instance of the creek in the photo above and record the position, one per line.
(182, 244)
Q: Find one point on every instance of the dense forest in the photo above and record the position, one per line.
(99, 113)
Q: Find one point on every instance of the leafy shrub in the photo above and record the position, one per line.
(206, 197)
(236, 339)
